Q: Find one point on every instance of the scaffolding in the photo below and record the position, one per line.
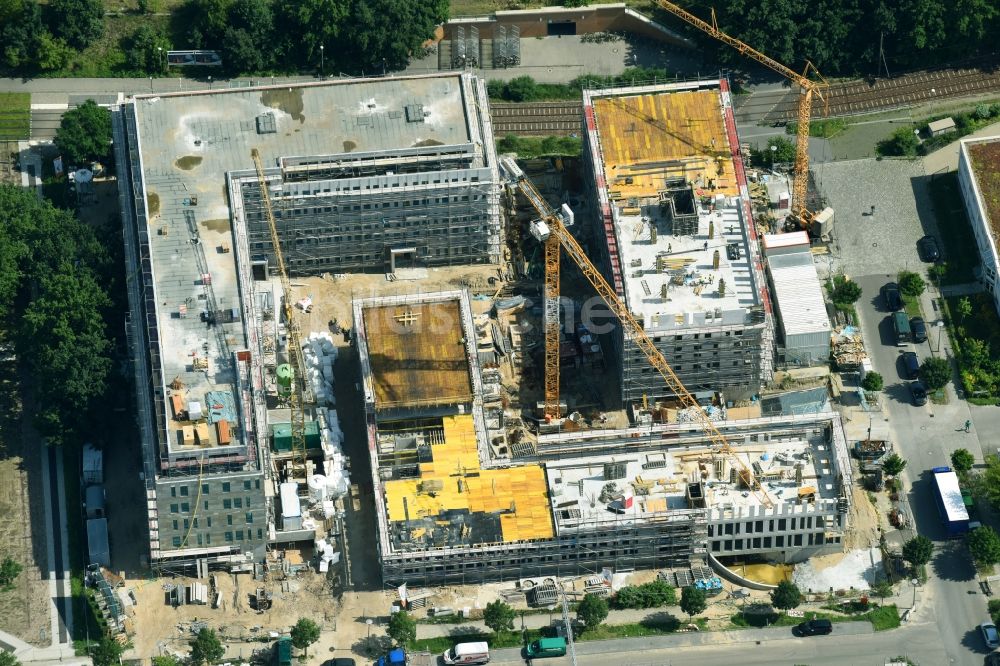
(356, 212)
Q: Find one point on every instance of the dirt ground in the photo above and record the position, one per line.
(864, 520)
(161, 628)
(24, 609)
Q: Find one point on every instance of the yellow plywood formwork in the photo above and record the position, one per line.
(453, 480)
(647, 138)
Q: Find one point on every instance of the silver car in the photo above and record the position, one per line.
(990, 635)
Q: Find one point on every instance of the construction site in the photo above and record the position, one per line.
(358, 367)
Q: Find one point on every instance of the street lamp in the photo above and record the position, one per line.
(774, 149)
(159, 50)
(209, 81)
(322, 61)
(368, 638)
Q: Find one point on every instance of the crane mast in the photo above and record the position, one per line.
(296, 397)
(550, 226)
(807, 87)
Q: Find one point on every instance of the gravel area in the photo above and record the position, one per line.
(883, 243)
(855, 569)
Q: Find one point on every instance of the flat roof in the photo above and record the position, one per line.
(672, 137)
(190, 141)
(417, 354)
(984, 156)
(951, 496)
(454, 501)
(657, 481)
(798, 294)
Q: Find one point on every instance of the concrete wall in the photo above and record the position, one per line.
(786, 533)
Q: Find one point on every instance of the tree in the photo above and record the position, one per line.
(8, 659)
(21, 27)
(936, 372)
(304, 633)
(984, 545)
(206, 648)
(383, 34)
(785, 150)
(107, 653)
(882, 589)
(872, 382)
(79, 22)
(53, 52)
(911, 283)
(84, 134)
(693, 600)
(902, 143)
(147, 50)
(247, 39)
(918, 550)
(521, 89)
(205, 21)
(962, 460)
(402, 628)
(592, 610)
(845, 291)
(10, 569)
(964, 308)
(166, 660)
(498, 616)
(786, 596)
(893, 465)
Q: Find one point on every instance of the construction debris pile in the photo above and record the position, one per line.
(320, 354)
(848, 349)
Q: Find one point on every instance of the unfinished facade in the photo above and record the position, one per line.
(679, 245)
(363, 174)
(412, 183)
(453, 505)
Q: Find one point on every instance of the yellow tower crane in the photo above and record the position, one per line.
(551, 230)
(807, 90)
(296, 395)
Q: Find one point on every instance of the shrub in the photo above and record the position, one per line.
(872, 382)
(962, 460)
(936, 372)
(648, 595)
(902, 143)
(911, 283)
(918, 550)
(786, 596)
(845, 291)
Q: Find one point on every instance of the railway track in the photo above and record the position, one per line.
(848, 98)
(856, 97)
(540, 119)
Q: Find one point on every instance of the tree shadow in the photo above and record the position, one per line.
(661, 620)
(952, 562)
(372, 646)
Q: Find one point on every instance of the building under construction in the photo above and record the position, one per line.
(364, 175)
(455, 506)
(679, 244)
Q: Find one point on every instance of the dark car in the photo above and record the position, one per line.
(891, 296)
(927, 248)
(918, 393)
(911, 365)
(814, 628)
(342, 661)
(918, 329)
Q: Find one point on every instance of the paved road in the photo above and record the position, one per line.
(847, 646)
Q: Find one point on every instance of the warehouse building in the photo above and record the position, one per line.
(454, 506)
(979, 179)
(679, 245)
(364, 175)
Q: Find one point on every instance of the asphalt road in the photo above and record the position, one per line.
(920, 641)
(925, 436)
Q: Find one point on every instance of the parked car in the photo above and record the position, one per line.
(814, 628)
(927, 248)
(990, 634)
(911, 365)
(918, 329)
(546, 647)
(341, 661)
(918, 393)
(891, 296)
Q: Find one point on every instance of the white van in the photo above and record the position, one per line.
(468, 653)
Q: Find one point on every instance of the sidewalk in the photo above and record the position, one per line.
(689, 639)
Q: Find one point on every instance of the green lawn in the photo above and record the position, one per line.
(959, 245)
(882, 618)
(528, 148)
(911, 304)
(980, 377)
(15, 116)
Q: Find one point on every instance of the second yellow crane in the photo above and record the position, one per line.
(808, 89)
